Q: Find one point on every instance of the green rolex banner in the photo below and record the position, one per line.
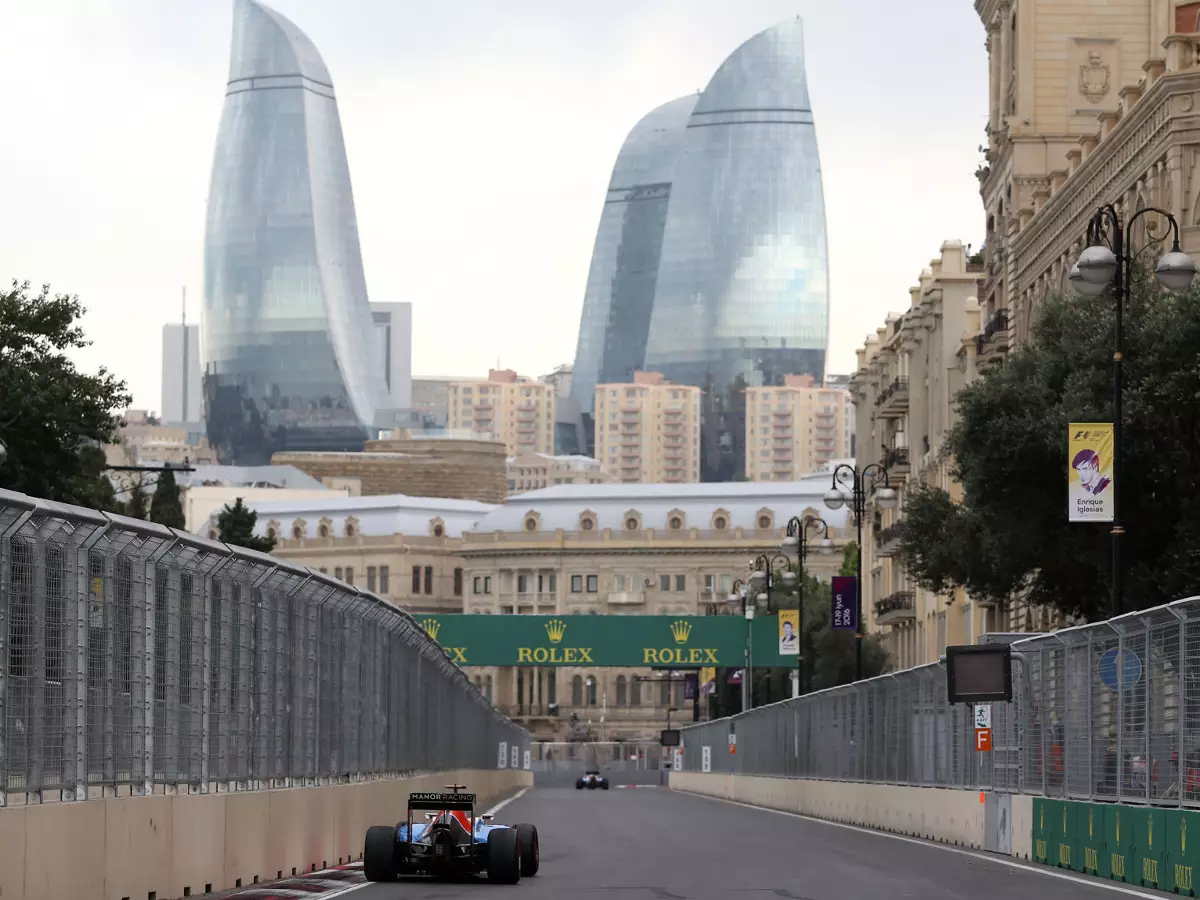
(629, 641)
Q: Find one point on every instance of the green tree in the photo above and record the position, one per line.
(167, 508)
(136, 504)
(236, 526)
(54, 419)
(1009, 449)
(849, 560)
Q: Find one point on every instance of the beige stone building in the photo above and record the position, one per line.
(908, 375)
(648, 431)
(516, 411)
(796, 428)
(1090, 103)
(535, 471)
(649, 549)
(414, 463)
(405, 549)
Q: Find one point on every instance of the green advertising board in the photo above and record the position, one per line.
(681, 642)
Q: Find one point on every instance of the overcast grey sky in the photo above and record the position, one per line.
(481, 135)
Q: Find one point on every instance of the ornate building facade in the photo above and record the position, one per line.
(1089, 104)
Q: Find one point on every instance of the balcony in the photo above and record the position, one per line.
(994, 341)
(627, 598)
(896, 461)
(896, 608)
(887, 541)
(892, 401)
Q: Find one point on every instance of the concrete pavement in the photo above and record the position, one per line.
(664, 845)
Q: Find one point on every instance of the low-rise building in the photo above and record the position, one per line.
(650, 549)
(535, 471)
(405, 549)
(207, 489)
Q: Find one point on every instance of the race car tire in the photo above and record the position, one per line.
(504, 856)
(579, 785)
(604, 786)
(379, 853)
(531, 852)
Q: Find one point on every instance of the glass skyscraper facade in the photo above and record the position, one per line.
(624, 270)
(289, 350)
(743, 287)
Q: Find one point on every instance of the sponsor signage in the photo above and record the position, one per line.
(845, 602)
(678, 642)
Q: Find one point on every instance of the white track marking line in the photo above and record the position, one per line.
(358, 887)
(1034, 868)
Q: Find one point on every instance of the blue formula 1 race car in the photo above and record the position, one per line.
(591, 780)
(450, 842)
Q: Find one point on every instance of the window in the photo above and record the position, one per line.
(487, 584)
(349, 576)
(383, 580)
(522, 584)
(297, 533)
(429, 579)
(631, 524)
(324, 571)
(416, 579)
(438, 530)
(371, 579)
(323, 531)
(622, 698)
(664, 582)
(458, 582)
(681, 582)
(576, 584)
(635, 692)
(664, 697)
(764, 521)
(477, 585)
(531, 524)
(619, 582)
(719, 523)
(337, 573)
(726, 582)
(587, 524)
(676, 523)
(591, 690)
(593, 584)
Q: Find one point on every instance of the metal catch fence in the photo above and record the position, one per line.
(134, 656)
(1107, 711)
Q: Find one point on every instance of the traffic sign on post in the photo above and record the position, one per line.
(983, 715)
(983, 739)
(733, 743)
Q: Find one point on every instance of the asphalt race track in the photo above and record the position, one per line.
(656, 844)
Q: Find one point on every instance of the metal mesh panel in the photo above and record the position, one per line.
(1106, 711)
(132, 655)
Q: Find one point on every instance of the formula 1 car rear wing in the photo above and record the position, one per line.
(438, 802)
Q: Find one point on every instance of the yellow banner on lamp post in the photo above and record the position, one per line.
(789, 632)
(1090, 472)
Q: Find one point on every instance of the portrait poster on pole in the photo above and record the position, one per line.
(1090, 472)
(789, 632)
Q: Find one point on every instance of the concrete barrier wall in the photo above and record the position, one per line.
(171, 846)
(937, 814)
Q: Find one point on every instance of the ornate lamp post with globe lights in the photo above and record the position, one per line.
(1106, 262)
(857, 483)
(796, 544)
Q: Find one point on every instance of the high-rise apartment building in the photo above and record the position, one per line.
(393, 328)
(289, 361)
(796, 428)
(182, 388)
(517, 411)
(648, 430)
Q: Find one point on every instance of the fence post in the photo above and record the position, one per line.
(16, 520)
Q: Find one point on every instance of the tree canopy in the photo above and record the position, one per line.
(1008, 449)
(54, 419)
(236, 526)
(166, 507)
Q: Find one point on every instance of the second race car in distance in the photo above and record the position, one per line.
(591, 780)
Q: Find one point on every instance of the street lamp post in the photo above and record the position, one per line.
(1100, 266)
(796, 543)
(856, 497)
(741, 592)
(762, 577)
